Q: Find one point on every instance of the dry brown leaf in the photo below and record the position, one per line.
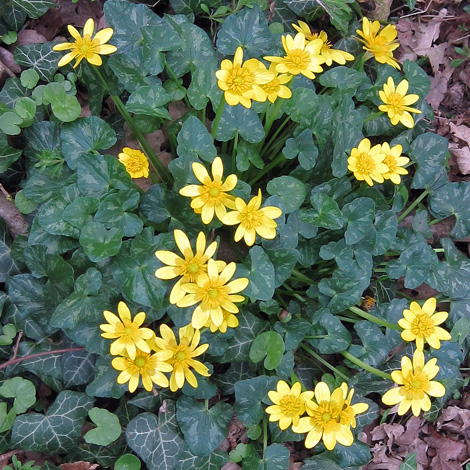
(454, 419)
(29, 36)
(79, 466)
(231, 466)
(448, 453)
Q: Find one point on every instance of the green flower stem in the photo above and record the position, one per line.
(267, 169)
(271, 114)
(180, 87)
(316, 337)
(434, 222)
(374, 319)
(218, 115)
(234, 151)
(265, 434)
(365, 366)
(293, 292)
(322, 361)
(372, 116)
(413, 205)
(411, 299)
(139, 189)
(157, 165)
(206, 405)
(302, 277)
(275, 134)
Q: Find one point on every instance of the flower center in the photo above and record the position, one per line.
(214, 192)
(326, 417)
(134, 164)
(240, 80)
(193, 268)
(298, 59)
(179, 356)
(140, 362)
(422, 325)
(365, 163)
(290, 405)
(252, 219)
(416, 384)
(212, 293)
(271, 87)
(396, 102)
(379, 45)
(128, 331)
(391, 162)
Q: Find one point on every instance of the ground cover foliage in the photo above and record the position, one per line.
(332, 242)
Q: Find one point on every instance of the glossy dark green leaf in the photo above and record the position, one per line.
(149, 101)
(268, 346)
(80, 211)
(241, 121)
(203, 429)
(418, 79)
(56, 432)
(100, 243)
(105, 383)
(291, 191)
(342, 77)
(85, 136)
(8, 266)
(33, 8)
(410, 462)
(194, 141)
(39, 57)
(303, 148)
(325, 212)
(156, 439)
(203, 85)
(8, 155)
(247, 29)
(78, 367)
(40, 137)
(359, 215)
(375, 347)
(338, 337)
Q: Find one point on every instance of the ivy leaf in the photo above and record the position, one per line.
(268, 346)
(56, 432)
(100, 243)
(453, 199)
(85, 136)
(8, 267)
(78, 367)
(105, 383)
(22, 390)
(194, 141)
(39, 57)
(156, 439)
(359, 215)
(241, 121)
(203, 429)
(342, 77)
(247, 29)
(290, 190)
(410, 462)
(107, 430)
(248, 396)
(34, 8)
(215, 461)
(42, 137)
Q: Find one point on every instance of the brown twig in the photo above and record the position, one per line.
(17, 345)
(12, 362)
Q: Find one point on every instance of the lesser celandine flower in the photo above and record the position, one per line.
(420, 324)
(240, 81)
(395, 161)
(367, 163)
(331, 55)
(214, 292)
(127, 332)
(210, 197)
(135, 161)
(289, 404)
(276, 87)
(323, 421)
(190, 267)
(301, 57)
(415, 385)
(229, 321)
(396, 103)
(182, 355)
(86, 46)
(348, 412)
(252, 220)
(145, 365)
(379, 44)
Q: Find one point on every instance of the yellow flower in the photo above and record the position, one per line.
(367, 163)
(380, 45)
(276, 87)
(229, 321)
(415, 385)
(394, 161)
(182, 355)
(135, 161)
(324, 419)
(300, 58)
(331, 55)
(289, 404)
(149, 366)
(211, 196)
(128, 333)
(253, 220)
(215, 294)
(420, 324)
(348, 413)
(190, 267)
(240, 81)
(396, 103)
(86, 47)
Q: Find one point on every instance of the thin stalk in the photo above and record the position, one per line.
(302, 277)
(180, 87)
(322, 361)
(218, 115)
(234, 151)
(365, 366)
(33, 356)
(413, 205)
(293, 292)
(267, 169)
(265, 435)
(271, 114)
(276, 133)
(372, 116)
(373, 319)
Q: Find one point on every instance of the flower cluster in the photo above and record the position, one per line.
(377, 163)
(135, 161)
(202, 281)
(143, 355)
(329, 415)
(211, 197)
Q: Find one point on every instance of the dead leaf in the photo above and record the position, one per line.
(448, 453)
(29, 36)
(454, 419)
(78, 466)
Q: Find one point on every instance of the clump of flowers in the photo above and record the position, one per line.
(211, 196)
(395, 162)
(135, 161)
(396, 103)
(301, 57)
(252, 219)
(86, 47)
(181, 356)
(240, 81)
(367, 163)
(379, 44)
(276, 88)
(415, 385)
(420, 324)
